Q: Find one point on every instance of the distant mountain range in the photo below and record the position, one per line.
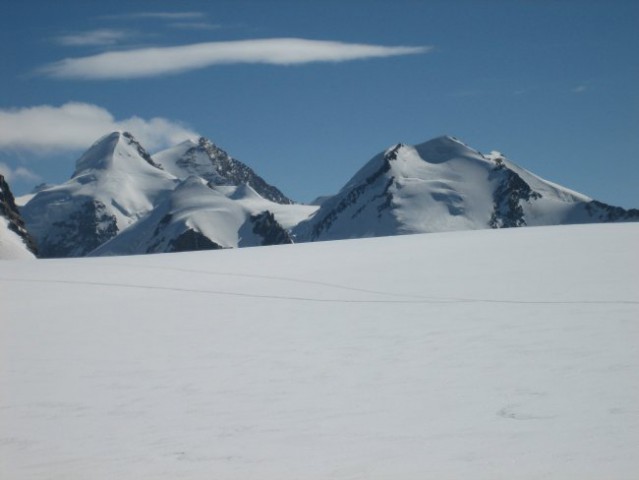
(194, 196)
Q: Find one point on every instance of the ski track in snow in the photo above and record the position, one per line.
(451, 300)
(226, 365)
(274, 278)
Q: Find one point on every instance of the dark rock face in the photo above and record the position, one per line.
(607, 213)
(233, 172)
(190, 241)
(356, 192)
(143, 153)
(80, 233)
(96, 156)
(272, 233)
(508, 197)
(9, 210)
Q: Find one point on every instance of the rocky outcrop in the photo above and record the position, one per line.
(271, 232)
(508, 198)
(9, 210)
(82, 231)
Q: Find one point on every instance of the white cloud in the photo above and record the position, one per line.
(147, 62)
(580, 89)
(75, 126)
(19, 173)
(103, 36)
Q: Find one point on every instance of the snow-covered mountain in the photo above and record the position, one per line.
(444, 185)
(200, 216)
(194, 196)
(206, 160)
(15, 241)
(115, 183)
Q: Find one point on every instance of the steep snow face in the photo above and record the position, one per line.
(15, 241)
(201, 216)
(114, 184)
(444, 185)
(204, 159)
(112, 152)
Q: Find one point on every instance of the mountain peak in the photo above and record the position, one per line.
(442, 185)
(188, 143)
(114, 184)
(214, 152)
(391, 153)
(103, 153)
(444, 148)
(204, 142)
(208, 161)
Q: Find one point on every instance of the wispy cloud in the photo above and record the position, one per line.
(102, 36)
(175, 16)
(148, 62)
(580, 89)
(74, 126)
(19, 173)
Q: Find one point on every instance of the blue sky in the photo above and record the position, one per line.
(305, 92)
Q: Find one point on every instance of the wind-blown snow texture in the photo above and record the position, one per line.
(444, 185)
(15, 241)
(481, 354)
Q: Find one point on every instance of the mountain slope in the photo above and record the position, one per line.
(200, 216)
(206, 160)
(444, 185)
(114, 184)
(195, 196)
(121, 200)
(479, 355)
(15, 240)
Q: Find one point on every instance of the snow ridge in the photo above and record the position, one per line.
(201, 216)
(206, 160)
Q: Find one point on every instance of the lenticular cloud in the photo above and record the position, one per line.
(148, 62)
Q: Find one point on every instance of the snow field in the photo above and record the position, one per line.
(482, 354)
